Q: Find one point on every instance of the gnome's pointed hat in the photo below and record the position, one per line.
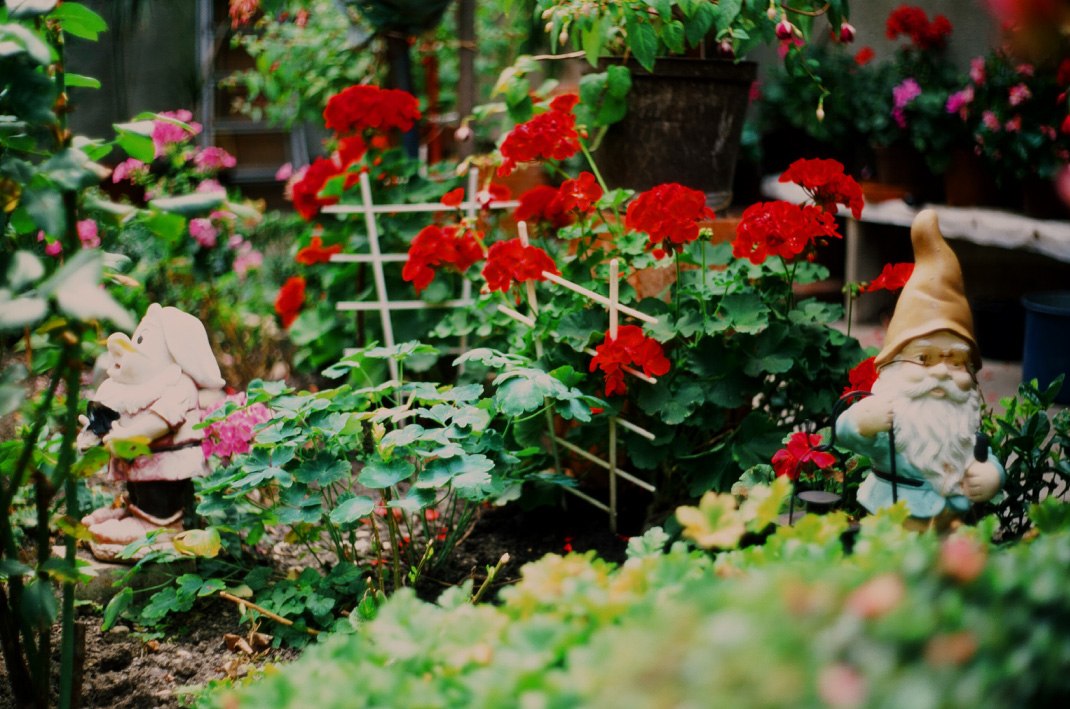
(933, 298)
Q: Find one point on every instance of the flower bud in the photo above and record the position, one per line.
(771, 13)
(547, 13)
(820, 113)
(847, 33)
(784, 30)
(563, 37)
(462, 134)
(726, 49)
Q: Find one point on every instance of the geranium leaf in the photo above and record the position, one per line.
(322, 470)
(352, 509)
(381, 474)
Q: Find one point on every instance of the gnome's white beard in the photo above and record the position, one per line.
(935, 435)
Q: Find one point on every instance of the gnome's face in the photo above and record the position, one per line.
(139, 359)
(938, 365)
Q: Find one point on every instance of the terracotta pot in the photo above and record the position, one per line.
(903, 166)
(657, 282)
(684, 124)
(968, 181)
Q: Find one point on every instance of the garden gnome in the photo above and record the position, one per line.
(925, 398)
(156, 387)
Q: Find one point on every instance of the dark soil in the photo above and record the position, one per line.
(123, 669)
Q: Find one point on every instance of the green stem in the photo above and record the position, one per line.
(70, 486)
(676, 288)
(395, 552)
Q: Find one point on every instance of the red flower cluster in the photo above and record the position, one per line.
(437, 246)
(864, 56)
(826, 183)
(548, 135)
(669, 214)
(366, 106)
(510, 261)
(306, 189)
(631, 348)
(780, 229)
(912, 21)
(316, 252)
(892, 277)
(559, 206)
(863, 375)
(800, 451)
(290, 300)
(453, 198)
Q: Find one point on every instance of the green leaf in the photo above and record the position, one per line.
(21, 312)
(699, 24)
(591, 38)
(522, 390)
(672, 403)
(757, 439)
(441, 471)
(745, 312)
(25, 268)
(129, 448)
(136, 139)
(726, 12)
(170, 227)
(93, 460)
(652, 543)
(12, 391)
(21, 9)
(401, 351)
(189, 204)
(76, 288)
(672, 34)
(643, 41)
(45, 207)
(80, 81)
(322, 470)
(118, 603)
(15, 39)
(351, 510)
(381, 474)
(80, 21)
(11, 567)
(38, 604)
(402, 437)
(70, 169)
(492, 359)
(417, 499)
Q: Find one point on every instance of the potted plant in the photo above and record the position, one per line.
(677, 57)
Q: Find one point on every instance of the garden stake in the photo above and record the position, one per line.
(243, 604)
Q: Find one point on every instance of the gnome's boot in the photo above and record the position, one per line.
(150, 506)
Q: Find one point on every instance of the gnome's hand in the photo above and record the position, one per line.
(981, 481)
(872, 415)
(86, 438)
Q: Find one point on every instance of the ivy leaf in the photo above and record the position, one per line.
(352, 510)
(381, 474)
(322, 470)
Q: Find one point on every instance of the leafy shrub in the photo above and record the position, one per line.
(904, 620)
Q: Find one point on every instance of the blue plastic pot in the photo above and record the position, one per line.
(1047, 340)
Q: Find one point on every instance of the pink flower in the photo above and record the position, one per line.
(1025, 69)
(1013, 125)
(165, 133)
(232, 435)
(990, 121)
(213, 158)
(1019, 93)
(209, 185)
(902, 95)
(958, 101)
(247, 259)
(128, 169)
(203, 232)
(785, 30)
(52, 248)
(1049, 132)
(847, 33)
(285, 171)
(87, 233)
(977, 70)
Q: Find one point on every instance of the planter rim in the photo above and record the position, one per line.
(741, 71)
(1048, 303)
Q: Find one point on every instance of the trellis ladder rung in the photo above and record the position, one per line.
(399, 304)
(587, 498)
(414, 208)
(604, 464)
(368, 258)
(630, 370)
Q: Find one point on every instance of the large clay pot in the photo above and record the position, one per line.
(684, 125)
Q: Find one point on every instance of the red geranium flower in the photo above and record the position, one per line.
(780, 229)
(892, 277)
(826, 183)
(493, 193)
(511, 261)
(364, 106)
(316, 252)
(864, 56)
(913, 22)
(437, 246)
(669, 214)
(306, 190)
(800, 451)
(580, 194)
(863, 375)
(550, 135)
(290, 300)
(350, 150)
(453, 198)
(631, 348)
(541, 204)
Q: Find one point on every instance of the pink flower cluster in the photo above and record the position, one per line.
(902, 95)
(232, 436)
(88, 234)
(165, 133)
(213, 158)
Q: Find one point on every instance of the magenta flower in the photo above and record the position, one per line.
(203, 232)
(285, 171)
(52, 248)
(87, 233)
(977, 70)
(902, 95)
(1019, 94)
(128, 169)
(209, 185)
(990, 121)
(958, 101)
(232, 435)
(165, 133)
(213, 158)
(1014, 125)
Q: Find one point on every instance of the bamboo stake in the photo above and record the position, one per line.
(377, 269)
(263, 611)
(600, 299)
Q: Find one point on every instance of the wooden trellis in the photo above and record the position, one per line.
(614, 309)
(378, 259)
(385, 306)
